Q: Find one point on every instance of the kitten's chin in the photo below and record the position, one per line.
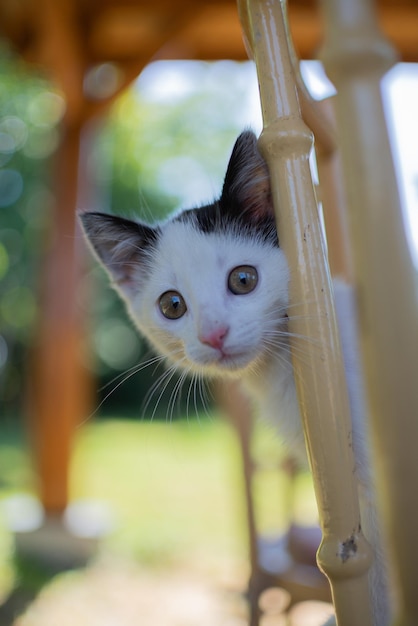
(234, 362)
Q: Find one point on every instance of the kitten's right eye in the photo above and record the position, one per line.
(172, 305)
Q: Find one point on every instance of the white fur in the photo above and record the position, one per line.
(145, 262)
(255, 349)
(197, 265)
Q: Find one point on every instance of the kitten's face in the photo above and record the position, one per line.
(209, 287)
(212, 301)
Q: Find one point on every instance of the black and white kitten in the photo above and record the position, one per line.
(209, 289)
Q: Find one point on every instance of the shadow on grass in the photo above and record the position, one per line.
(30, 578)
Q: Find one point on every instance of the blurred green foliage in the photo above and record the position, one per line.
(29, 116)
(158, 149)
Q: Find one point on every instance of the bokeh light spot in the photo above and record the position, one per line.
(4, 261)
(13, 134)
(117, 344)
(11, 186)
(46, 109)
(18, 307)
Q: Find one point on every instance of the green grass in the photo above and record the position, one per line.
(176, 490)
(174, 487)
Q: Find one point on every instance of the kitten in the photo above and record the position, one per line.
(209, 289)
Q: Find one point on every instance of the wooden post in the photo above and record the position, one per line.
(59, 385)
(57, 399)
(286, 144)
(356, 57)
(319, 116)
(238, 410)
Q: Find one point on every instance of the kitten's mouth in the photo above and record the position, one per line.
(233, 361)
(221, 359)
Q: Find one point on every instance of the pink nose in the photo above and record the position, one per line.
(214, 338)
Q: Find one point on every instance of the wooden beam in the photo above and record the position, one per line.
(127, 30)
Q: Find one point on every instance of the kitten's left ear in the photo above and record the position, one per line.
(122, 246)
(247, 183)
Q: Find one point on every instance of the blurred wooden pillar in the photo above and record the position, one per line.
(57, 378)
(239, 412)
(59, 383)
(356, 57)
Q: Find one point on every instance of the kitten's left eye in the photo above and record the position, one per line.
(172, 305)
(243, 279)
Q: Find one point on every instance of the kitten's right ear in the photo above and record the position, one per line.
(246, 189)
(121, 245)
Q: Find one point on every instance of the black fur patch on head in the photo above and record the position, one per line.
(212, 218)
(245, 204)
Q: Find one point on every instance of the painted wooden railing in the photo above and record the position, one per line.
(356, 57)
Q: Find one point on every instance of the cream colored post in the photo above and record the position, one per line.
(334, 203)
(356, 57)
(286, 143)
(320, 118)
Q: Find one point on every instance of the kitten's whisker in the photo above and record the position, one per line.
(275, 344)
(156, 384)
(175, 397)
(304, 317)
(171, 373)
(283, 354)
(173, 353)
(283, 318)
(293, 305)
(289, 334)
(279, 349)
(188, 396)
(206, 390)
(195, 395)
(202, 393)
(132, 370)
(145, 208)
(124, 376)
(284, 349)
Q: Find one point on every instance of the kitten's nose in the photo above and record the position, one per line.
(214, 338)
